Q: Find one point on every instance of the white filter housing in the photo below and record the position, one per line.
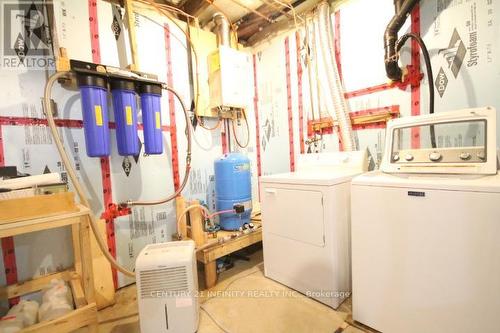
(167, 284)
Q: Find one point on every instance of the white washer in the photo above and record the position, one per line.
(306, 232)
(426, 247)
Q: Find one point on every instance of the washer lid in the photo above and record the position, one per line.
(471, 183)
(332, 177)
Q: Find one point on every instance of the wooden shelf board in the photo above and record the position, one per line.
(42, 223)
(81, 317)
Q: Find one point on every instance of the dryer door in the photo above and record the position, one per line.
(294, 213)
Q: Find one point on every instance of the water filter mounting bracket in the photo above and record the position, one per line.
(109, 73)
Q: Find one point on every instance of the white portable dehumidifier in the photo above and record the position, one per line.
(167, 284)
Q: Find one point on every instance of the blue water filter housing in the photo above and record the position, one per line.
(94, 97)
(151, 118)
(233, 187)
(125, 111)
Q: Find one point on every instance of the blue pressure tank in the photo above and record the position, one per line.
(233, 189)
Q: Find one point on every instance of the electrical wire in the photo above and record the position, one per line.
(427, 60)
(196, 63)
(216, 322)
(210, 315)
(237, 279)
(278, 8)
(188, 160)
(292, 9)
(196, 140)
(72, 173)
(168, 7)
(256, 12)
(248, 133)
(196, 110)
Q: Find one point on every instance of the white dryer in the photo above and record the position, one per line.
(306, 225)
(426, 229)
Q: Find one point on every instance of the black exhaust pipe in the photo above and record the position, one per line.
(403, 9)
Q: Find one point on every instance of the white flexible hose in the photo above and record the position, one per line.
(335, 84)
(72, 173)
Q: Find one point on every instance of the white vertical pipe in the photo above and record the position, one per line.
(335, 84)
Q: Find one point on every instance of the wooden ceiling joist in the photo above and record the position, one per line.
(195, 7)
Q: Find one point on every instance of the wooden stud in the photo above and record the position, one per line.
(103, 276)
(197, 233)
(130, 16)
(180, 205)
(75, 235)
(87, 270)
(78, 294)
(210, 274)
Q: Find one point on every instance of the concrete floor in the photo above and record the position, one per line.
(246, 314)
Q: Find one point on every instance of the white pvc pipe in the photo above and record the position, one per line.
(30, 181)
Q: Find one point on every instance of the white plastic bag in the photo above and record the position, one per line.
(57, 301)
(21, 315)
(27, 310)
(11, 323)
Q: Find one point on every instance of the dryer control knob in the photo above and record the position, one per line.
(465, 156)
(409, 157)
(435, 156)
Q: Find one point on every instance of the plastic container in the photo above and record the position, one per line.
(233, 187)
(151, 118)
(94, 97)
(125, 111)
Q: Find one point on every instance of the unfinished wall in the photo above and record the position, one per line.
(463, 40)
(281, 96)
(97, 32)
